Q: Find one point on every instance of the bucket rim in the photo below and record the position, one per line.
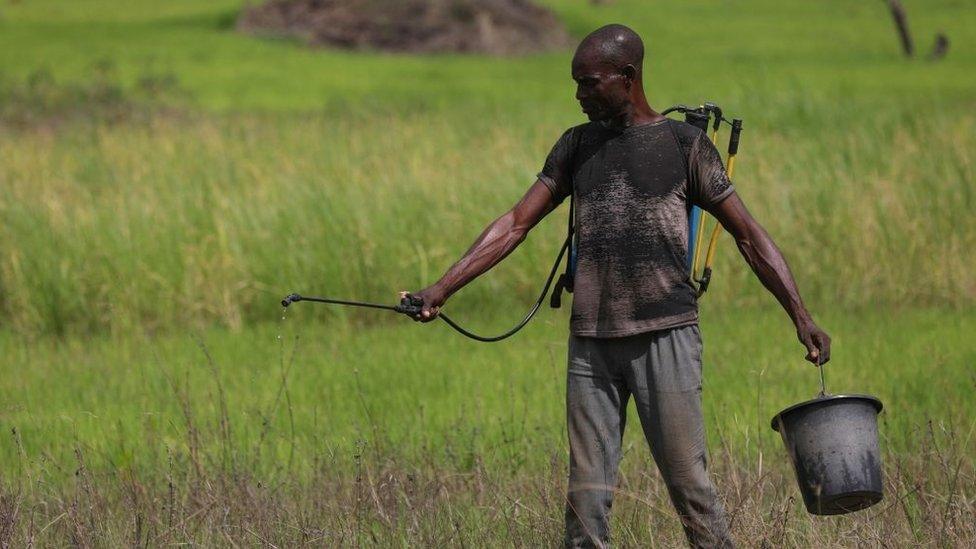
(875, 401)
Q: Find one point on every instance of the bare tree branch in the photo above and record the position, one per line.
(901, 21)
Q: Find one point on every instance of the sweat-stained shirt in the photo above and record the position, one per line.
(634, 190)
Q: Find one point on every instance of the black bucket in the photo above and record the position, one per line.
(833, 443)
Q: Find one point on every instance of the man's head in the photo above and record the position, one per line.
(607, 71)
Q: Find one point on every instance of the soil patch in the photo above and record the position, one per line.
(495, 27)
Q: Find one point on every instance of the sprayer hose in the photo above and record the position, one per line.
(293, 298)
(535, 308)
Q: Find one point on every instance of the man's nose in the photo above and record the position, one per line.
(580, 94)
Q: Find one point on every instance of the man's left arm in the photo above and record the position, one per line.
(765, 259)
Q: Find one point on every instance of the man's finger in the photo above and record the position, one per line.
(429, 314)
(813, 352)
(824, 345)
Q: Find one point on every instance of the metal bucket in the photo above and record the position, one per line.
(833, 443)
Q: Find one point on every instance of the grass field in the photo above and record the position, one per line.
(164, 181)
(407, 434)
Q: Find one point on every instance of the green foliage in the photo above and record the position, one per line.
(41, 101)
(180, 220)
(431, 396)
(377, 171)
(162, 175)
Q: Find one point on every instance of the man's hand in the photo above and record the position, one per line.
(433, 297)
(815, 340)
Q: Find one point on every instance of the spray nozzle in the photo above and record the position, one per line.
(289, 299)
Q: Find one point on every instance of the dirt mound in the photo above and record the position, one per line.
(496, 27)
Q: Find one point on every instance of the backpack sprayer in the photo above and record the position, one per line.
(698, 117)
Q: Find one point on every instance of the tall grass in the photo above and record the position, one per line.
(388, 503)
(192, 220)
(359, 174)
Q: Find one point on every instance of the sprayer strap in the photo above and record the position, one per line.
(681, 151)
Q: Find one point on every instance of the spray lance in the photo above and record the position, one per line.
(413, 305)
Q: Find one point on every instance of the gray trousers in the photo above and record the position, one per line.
(662, 370)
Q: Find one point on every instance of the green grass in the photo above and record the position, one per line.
(433, 395)
(407, 434)
(164, 181)
(736, 53)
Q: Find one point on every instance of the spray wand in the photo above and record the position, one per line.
(412, 306)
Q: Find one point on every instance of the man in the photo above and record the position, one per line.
(634, 331)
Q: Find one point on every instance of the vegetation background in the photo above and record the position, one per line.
(164, 181)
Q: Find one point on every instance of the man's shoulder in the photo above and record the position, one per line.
(587, 136)
(580, 130)
(686, 133)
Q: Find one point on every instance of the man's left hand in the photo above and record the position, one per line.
(815, 340)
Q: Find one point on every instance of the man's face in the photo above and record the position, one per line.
(601, 89)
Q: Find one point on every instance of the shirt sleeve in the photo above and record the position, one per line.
(557, 174)
(708, 184)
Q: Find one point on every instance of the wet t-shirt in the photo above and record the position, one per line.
(634, 190)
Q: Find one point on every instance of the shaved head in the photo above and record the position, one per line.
(614, 46)
(609, 78)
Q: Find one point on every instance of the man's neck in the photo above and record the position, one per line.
(636, 113)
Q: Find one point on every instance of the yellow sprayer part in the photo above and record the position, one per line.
(713, 241)
(700, 231)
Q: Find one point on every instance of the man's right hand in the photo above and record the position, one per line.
(433, 298)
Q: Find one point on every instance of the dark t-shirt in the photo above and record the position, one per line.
(634, 189)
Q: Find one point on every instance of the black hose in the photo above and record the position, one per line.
(293, 298)
(528, 316)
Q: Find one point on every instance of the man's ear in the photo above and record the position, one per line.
(629, 72)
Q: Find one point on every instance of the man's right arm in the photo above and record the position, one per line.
(497, 241)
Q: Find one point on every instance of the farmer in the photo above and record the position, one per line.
(634, 323)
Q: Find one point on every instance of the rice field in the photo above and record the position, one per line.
(164, 181)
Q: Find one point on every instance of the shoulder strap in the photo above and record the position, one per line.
(677, 143)
(565, 281)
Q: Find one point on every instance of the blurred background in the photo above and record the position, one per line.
(169, 171)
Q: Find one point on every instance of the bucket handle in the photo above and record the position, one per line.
(820, 366)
